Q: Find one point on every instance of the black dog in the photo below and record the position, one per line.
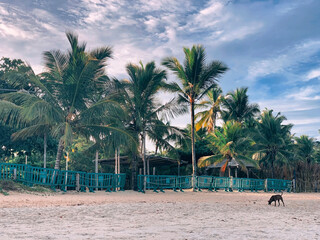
(276, 198)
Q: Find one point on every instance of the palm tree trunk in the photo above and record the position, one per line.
(134, 173)
(156, 151)
(59, 153)
(45, 150)
(96, 169)
(272, 168)
(116, 161)
(193, 150)
(144, 159)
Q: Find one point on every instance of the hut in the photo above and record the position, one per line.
(152, 161)
(233, 167)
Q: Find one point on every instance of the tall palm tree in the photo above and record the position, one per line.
(236, 106)
(67, 95)
(304, 155)
(137, 95)
(209, 117)
(273, 140)
(231, 142)
(305, 147)
(197, 78)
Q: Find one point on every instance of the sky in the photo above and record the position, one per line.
(272, 47)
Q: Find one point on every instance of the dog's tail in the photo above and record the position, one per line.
(281, 193)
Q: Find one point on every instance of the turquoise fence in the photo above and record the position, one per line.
(61, 179)
(162, 182)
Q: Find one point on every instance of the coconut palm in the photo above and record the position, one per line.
(66, 99)
(197, 78)
(236, 106)
(209, 117)
(305, 147)
(231, 142)
(273, 140)
(137, 95)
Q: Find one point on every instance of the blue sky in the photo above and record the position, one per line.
(272, 47)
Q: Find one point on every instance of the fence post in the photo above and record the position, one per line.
(294, 185)
(266, 185)
(77, 182)
(14, 174)
(231, 184)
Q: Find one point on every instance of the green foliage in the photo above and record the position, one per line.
(6, 66)
(231, 142)
(304, 149)
(273, 141)
(8, 185)
(65, 100)
(236, 106)
(209, 117)
(196, 77)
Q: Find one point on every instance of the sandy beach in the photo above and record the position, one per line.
(170, 215)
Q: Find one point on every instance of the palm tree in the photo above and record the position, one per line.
(66, 99)
(197, 78)
(209, 117)
(305, 147)
(273, 140)
(236, 106)
(305, 156)
(137, 95)
(231, 142)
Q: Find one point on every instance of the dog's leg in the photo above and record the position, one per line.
(278, 202)
(275, 203)
(282, 202)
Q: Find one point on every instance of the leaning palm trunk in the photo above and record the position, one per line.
(193, 150)
(59, 153)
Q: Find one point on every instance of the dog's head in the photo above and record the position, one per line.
(269, 202)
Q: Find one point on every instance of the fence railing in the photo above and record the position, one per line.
(61, 179)
(162, 182)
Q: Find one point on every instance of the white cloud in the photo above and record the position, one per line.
(306, 93)
(3, 11)
(315, 73)
(284, 61)
(304, 121)
(10, 30)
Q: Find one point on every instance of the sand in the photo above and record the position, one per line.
(170, 215)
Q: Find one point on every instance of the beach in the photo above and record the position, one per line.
(169, 215)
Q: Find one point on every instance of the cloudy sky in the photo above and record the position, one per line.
(272, 47)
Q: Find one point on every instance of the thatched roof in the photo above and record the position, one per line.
(233, 163)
